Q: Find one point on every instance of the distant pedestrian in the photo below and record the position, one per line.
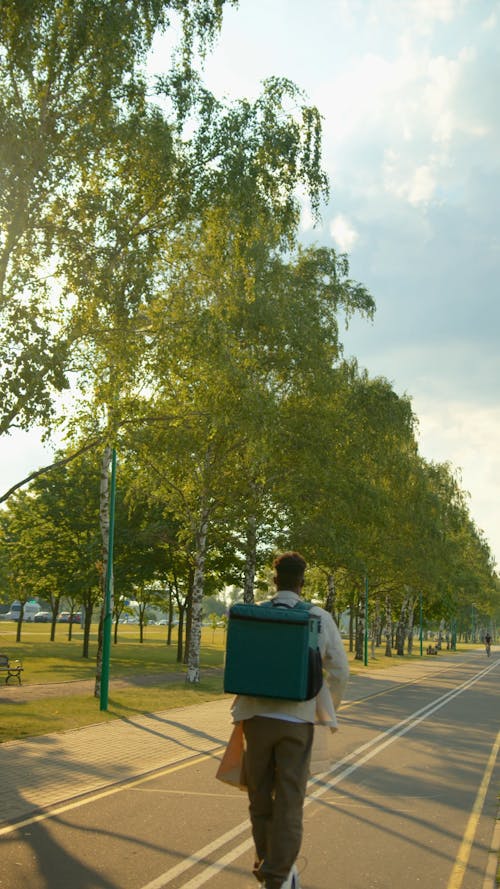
(279, 737)
(487, 642)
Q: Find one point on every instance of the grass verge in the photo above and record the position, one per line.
(23, 719)
(62, 661)
(48, 662)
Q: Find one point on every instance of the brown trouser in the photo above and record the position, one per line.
(277, 767)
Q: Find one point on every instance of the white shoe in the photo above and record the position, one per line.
(292, 881)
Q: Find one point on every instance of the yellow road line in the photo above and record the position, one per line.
(462, 859)
(92, 796)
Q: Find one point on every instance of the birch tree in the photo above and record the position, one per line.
(68, 69)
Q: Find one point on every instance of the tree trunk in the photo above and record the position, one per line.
(19, 625)
(388, 627)
(411, 620)
(331, 596)
(181, 605)
(87, 624)
(104, 524)
(193, 672)
(170, 616)
(375, 629)
(440, 635)
(188, 617)
(54, 604)
(250, 560)
(180, 634)
(351, 624)
(142, 615)
(401, 628)
(360, 632)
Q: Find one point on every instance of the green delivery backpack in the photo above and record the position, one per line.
(272, 651)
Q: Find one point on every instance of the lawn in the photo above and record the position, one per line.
(47, 662)
(61, 660)
(56, 714)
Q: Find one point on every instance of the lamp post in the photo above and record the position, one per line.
(421, 630)
(108, 597)
(365, 647)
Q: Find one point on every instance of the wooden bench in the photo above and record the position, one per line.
(10, 668)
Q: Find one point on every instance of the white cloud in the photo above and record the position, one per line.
(307, 222)
(420, 15)
(343, 233)
(467, 436)
(416, 186)
(422, 186)
(490, 23)
(431, 11)
(410, 110)
(411, 136)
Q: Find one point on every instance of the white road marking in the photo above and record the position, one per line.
(378, 743)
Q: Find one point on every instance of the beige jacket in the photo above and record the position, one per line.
(322, 709)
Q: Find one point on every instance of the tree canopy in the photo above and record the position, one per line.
(150, 261)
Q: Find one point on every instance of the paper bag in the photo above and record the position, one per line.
(323, 753)
(232, 766)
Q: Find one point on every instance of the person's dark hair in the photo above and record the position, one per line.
(289, 570)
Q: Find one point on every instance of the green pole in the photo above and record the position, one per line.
(108, 605)
(421, 635)
(365, 657)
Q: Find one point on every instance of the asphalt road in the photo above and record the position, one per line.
(410, 803)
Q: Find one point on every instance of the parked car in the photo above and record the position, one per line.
(29, 610)
(65, 617)
(43, 617)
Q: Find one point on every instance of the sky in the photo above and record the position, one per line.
(408, 91)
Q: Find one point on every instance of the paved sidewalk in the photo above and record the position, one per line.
(43, 771)
(51, 769)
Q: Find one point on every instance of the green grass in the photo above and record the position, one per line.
(61, 660)
(47, 715)
(381, 662)
(47, 662)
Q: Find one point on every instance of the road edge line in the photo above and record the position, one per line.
(462, 860)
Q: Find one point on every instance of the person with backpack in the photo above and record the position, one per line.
(279, 736)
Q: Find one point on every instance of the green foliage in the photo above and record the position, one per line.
(148, 245)
(71, 84)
